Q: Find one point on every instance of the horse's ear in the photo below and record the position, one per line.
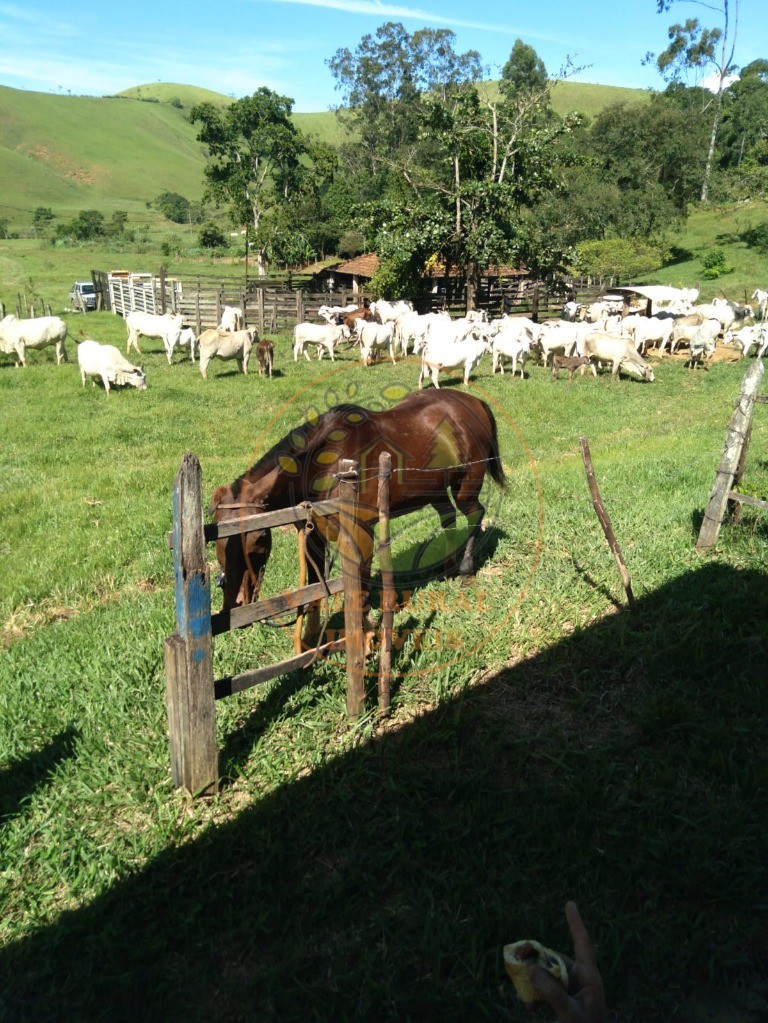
(217, 497)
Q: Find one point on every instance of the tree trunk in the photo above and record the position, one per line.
(712, 144)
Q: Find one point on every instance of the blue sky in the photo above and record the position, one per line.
(236, 46)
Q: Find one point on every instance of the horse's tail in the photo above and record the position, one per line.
(495, 468)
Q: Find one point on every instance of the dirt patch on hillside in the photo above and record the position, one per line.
(65, 167)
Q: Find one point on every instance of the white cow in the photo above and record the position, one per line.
(562, 336)
(687, 328)
(761, 297)
(375, 338)
(166, 326)
(389, 311)
(187, 338)
(108, 362)
(648, 330)
(336, 314)
(620, 352)
(510, 346)
(748, 336)
(38, 332)
(411, 326)
(226, 344)
(232, 318)
(441, 352)
(324, 336)
(702, 349)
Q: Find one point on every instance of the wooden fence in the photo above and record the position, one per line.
(272, 306)
(191, 689)
(724, 497)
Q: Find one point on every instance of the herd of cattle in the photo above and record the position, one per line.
(584, 337)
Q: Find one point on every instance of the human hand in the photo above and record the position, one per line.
(584, 1002)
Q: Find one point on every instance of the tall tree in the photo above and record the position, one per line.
(256, 164)
(698, 50)
(454, 168)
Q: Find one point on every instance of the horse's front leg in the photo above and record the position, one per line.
(315, 547)
(363, 545)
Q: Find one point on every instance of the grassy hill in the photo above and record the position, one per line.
(73, 153)
(119, 152)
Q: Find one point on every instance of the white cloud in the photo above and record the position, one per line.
(377, 9)
(712, 81)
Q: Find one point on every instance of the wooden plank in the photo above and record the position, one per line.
(264, 520)
(753, 502)
(239, 617)
(231, 684)
(735, 438)
(189, 653)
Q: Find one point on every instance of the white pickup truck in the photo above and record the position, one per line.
(82, 296)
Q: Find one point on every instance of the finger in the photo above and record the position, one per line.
(551, 991)
(582, 944)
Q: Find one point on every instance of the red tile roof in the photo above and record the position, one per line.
(361, 266)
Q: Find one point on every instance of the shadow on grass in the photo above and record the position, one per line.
(20, 778)
(626, 770)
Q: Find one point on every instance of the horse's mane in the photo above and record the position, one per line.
(304, 440)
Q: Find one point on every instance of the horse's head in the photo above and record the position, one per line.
(243, 555)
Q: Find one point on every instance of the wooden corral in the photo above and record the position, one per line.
(190, 686)
(277, 305)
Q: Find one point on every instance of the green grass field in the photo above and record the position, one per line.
(541, 747)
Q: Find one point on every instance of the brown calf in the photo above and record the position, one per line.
(569, 362)
(265, 351)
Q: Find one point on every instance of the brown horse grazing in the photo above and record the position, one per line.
(441, 442)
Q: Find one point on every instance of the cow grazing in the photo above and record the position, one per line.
(620, 352)
(166, 326)
(569, 362)
(108, 362)
(265, 353)
(38, 332)
(226, 344)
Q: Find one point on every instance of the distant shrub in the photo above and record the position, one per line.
(714, 264)
(173, 206)
(211, 237)
(176, 102)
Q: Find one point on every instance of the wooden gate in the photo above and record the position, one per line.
(191, 689)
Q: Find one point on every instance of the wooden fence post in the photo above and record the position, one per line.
(189, 651)
(731, 460)
(387, 585)
(260, 307)
(349, 550)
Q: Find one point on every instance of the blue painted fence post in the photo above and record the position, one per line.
(189, 651)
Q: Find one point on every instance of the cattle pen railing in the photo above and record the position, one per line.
(191, 689)
(272, 305)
